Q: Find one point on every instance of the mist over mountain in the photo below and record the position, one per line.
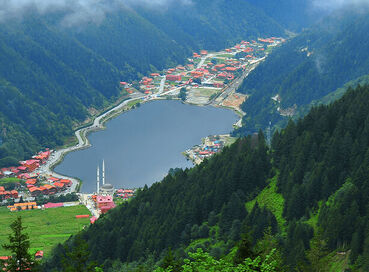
(61, 59)
(308, 67)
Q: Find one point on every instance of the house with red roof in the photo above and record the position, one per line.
(174, 77)
(35, 191)
(31, 165)
(105, 203)
(31, 181)
(51, 189)
(93, 219)
(14, 193)
(67, 182)
(59, 186)
(39, 255)
(53, 205)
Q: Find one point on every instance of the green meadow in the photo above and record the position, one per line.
(46, 228)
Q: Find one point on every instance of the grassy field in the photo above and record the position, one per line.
(45, 228)
(204, 92)
(225, 56)
(9, 180)
(272, 200)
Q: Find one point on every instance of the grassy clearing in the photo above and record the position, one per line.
(229, 140)
(133, 103)
(225, 56)
(272, 200)
(205, 92)
(336, 262)
(9, 180)
(45, 228)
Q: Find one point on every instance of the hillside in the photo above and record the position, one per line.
(52, 76)
(294, 15)
(308, 67)
(310, 189)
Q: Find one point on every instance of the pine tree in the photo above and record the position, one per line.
(19, 245)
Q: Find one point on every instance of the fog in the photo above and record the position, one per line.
(333, 5)
(76, 11)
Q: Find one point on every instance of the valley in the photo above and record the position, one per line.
(184, 136)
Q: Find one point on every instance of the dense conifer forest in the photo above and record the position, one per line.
(307, 68)
(306, 196)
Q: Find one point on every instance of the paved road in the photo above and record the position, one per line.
(203, 59)
(162, 84)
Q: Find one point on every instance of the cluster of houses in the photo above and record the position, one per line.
(210, 146)
(53, 186)
(226, 69)
(124, 194)
(5, 259)
(36, 184)
(26, 167)
(13, 194)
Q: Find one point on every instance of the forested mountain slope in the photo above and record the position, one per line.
(294, 15)
(167, 214)
(52, 74)
(314, 183)
(307, 68)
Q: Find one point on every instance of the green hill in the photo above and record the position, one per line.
(307, 68)
(310, 189)
(51, 75)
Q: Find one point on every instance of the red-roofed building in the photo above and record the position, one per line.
(52, 179)
(218, 66)
(67, 182)
(174, 77)
(231, 69)
(82, 216)
(59, 186)
(14, 193)
(51, 189)
(2, 189)
(22, 169)
(218, 85)
(123, 83)
(35, 191)
(39, 255)
(44, 190)
(24, 176)
(53, 205)
(31, 165)
(31, 181)
(105, 203)
(93, 219)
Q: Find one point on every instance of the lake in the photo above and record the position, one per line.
(141, 145)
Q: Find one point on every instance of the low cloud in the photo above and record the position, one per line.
(76, 11)
(339, 4)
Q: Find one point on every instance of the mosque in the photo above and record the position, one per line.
(105, 189)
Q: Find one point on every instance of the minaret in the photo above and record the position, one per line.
(98, 180)
(103, 173)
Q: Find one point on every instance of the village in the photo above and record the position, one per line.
(25, 187)
(208, 78)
